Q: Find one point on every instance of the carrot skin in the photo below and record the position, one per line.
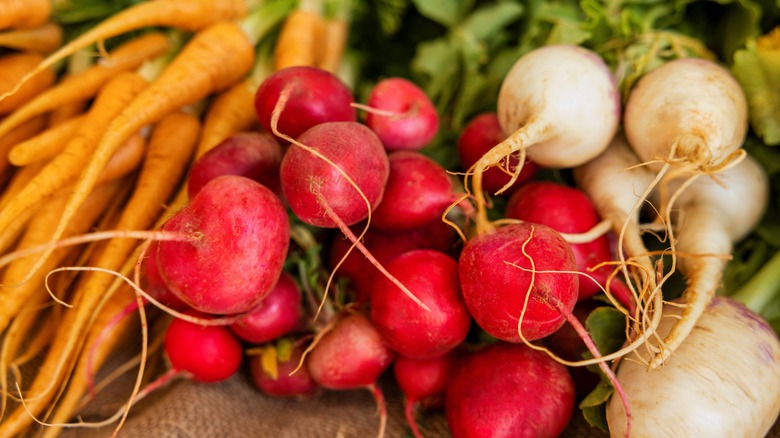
(42, 39)
(20, 14)
(13, 68)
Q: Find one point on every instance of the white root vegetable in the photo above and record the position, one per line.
(724, 380)
(686, 118)
(714, 213)
(560, 99)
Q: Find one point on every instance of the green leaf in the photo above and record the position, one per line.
(445, 12)
(607, 326)
(757, 68)
(487, 21)
(593, 406)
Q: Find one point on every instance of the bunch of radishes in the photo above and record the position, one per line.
(464, 321)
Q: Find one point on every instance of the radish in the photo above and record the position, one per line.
(154, 284)
(319, 193)
(500, 284)
(287, 380)
(240, 236)
(723, 381)
(707, 227)
(478, 136)
(560, 99)
(418, 191)
(304, 97)
(278, 314)
(508, 390)
(566, 210)
(423, 382)
(251, 154)
(206, 353)
(352, 355)
(401, 114)
(385, 246)
(433, 277)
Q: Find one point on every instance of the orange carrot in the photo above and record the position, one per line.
(190, 15)
(128, 56)
(230, 112)
(24, 13)
(334, 41)
(171, 146)
(13, 68)
(41, 39)
(19, 134)
(298, 40)
(125, 159)
(44, 145)
(66, 112)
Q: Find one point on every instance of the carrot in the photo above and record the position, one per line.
(41, 39)
(64, 168)
(44, 145)
(19, 134)
(189, 15)
(231, 112)
(13, 68)
(334, 40)
(24, 13)
(298, 40)
(171, 146)
(86, 85)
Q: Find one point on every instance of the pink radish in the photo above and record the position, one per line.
(479, 136)
(508, 390)
(240, 236)
(154, 284)
(566, 210)
(278, 314)
(251, 154)
(412, 332)
(288, 380)
(418, 191)
(401, 114)
(311, 96)
(352, 355)
(423, 382)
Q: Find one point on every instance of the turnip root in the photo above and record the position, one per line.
(714, 213)
(560, 99)
(724, 380)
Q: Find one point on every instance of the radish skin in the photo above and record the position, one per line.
(724, 380)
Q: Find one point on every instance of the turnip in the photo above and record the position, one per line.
(707, 227)
(723, 381)
(423, 382)
(478, 136)
(561, 104)
(418, 191)
(401, 114)
(508, 390)
(412, 332)
(241, 236)
(278, 314)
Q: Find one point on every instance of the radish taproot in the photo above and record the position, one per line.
(240, 236)
(508, 390)
(562, 107)
(412, 332)
(724, 380)
(401, 114)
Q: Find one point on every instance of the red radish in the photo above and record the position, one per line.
(352, 355)
(508, 390)
(423, 382)
(313, 187)
(290, 381)
(208, 353)
(566, 210)
(418, 191)
(385, 246)
(412, 332)
(241, 235)
(406, 117)
(251, 154)
(277, 314)
(311, 95)
(479, 136)
(154, 284)
(495, 287)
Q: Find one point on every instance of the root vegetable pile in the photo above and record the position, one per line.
(218, 186)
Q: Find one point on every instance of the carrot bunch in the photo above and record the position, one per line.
(106, 146)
